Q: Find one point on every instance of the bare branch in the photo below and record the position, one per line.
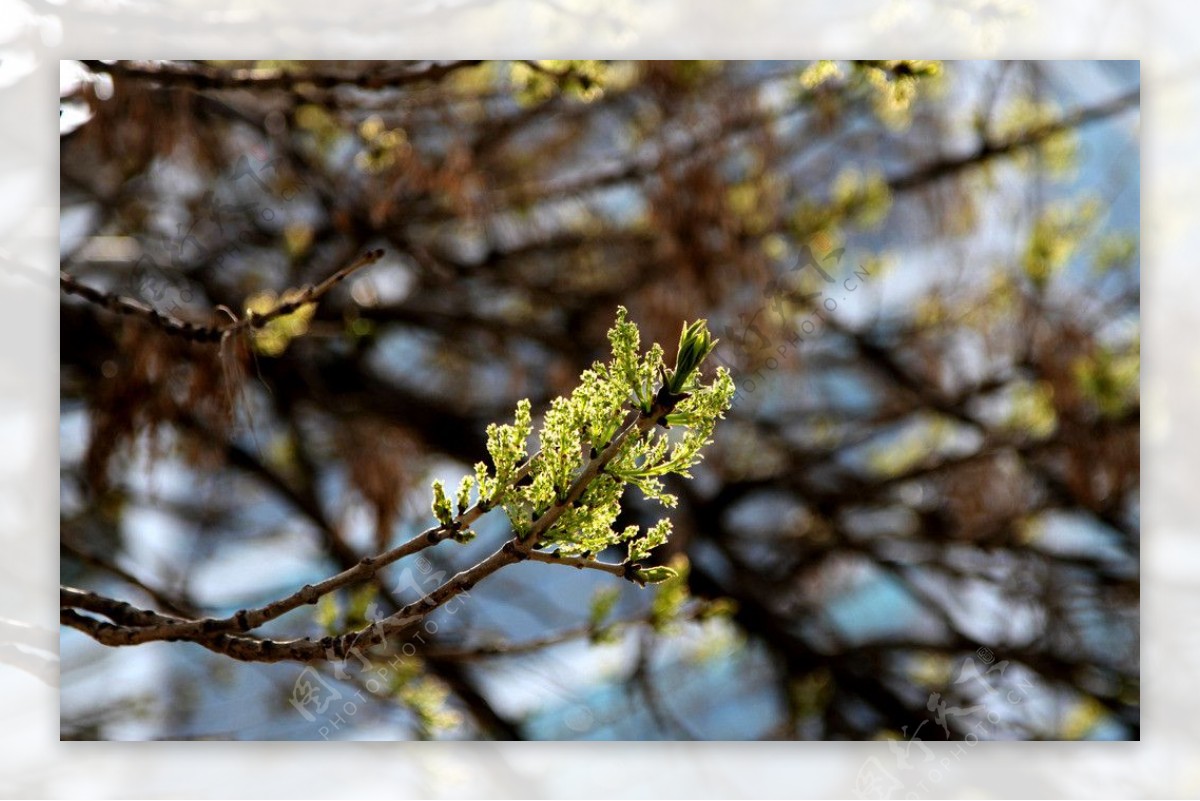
(211, 333)
(623, 570)
(202, 76)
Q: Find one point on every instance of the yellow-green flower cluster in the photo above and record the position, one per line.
(577, 428)
(506, 445)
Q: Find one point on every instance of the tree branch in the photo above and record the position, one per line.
(211, 333)
(133, 626)
(202, 76)
(623, 570)
(989, 149)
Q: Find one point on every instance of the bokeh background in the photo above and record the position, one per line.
(35, 36)
(923, 509)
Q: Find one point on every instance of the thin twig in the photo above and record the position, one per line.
(163, 627)
(506, 648)
(991, 148)
(202, 76)
(248, 619)
(169, 604)
(623, 570)
(212, 333)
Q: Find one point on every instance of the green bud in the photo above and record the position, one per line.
(695, 343)
(464, 493)
(654, 575)
(441, 504)
(483, 485)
